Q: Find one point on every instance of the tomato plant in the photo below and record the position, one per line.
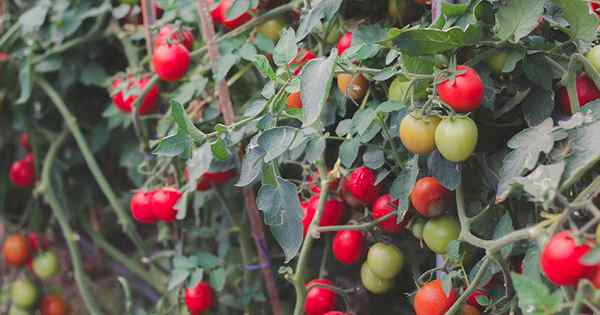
(163, 203)
(383, 206)
(141, 207)
(372, 282)
(361, 185)
(586, 92)
(123, 97)
(22, 172)
(353, 86)
(319, 300)
(384, 261)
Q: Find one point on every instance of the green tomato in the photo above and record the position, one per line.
(497, 61)
(23, 293)
(456, 138)
(385, 261)
(439, 232)
(399, 90)
(372, 282)
(46, 265)
(593, 56)
(416, 227)
(18, 311)
(272, 28)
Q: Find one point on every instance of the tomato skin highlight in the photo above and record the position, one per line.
(384, 205)
(429, 197)
(431, 299)
(456, 138)
(560, 260)
(372, 282)
(200, 298)
(319, 300)
(163, 203)
(333, 212)
(125, 105)
(344, 43)
(141, 207)
(353, 86)
(586, 92)
(54, 305)
(16, 250)
(171, 62)
(464, 93)
(169, 35)
(361, 184)
(348, 246)
(22, 172)
(439, 232)
(294, 100)
(417, 133)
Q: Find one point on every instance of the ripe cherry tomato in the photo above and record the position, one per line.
(301, 58)
(353, 86)
(16, 250)
(210, 179)
(333, 212)
(472, 299)
(314, 183)
(200, 298)
(417, 133)
(439, 232)
(141, 207)
(594, 276)
(319, 300)
(22, 172)
(294, 100)
(149, 102)
(372, 282)
(163, 203)
(168, 34)
(344, 43)
(595, 6)
(54, 305)
(593, 56)
(429, 197)
(46, 265)
(385, 261)
(586, 92)
(384, 205)
(348, 246)
(219, 14)
(24, 142)
(431, 299)
(171, 62)
(361, 184)
(456, 138)
(272, 28)
(468, 309)
(36, 242)
(560, 259)
(464, 93)
(23, 293)
(497, 61)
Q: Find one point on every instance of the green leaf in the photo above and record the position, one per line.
(373, 158)
(537, 106)
(286, 49)
(592, 258)
(390, 106)
(419, 41)
(188, 90)
(349, 151)
(531, 262)
(225, 64)
(315, 84)
(344, 127)
(504, 227)
(276, 141)
(582, 23)
(205, 260)
(584, 152)
(542, 183)
(184, 123)
(219, 150)
(49, 64)
(363, 119)
(314, 149)
(252, 165)
(217, 279)
(324, 10)
(237, 8)
(448, 173)
(404, 183)
(93, 74)
(534, 297)
(25, 81)
(453, 252)
(34, 18)
(177, 278)
(518, 18)
(454, 9)
(538, 71)
(173, 145)
(262, 64)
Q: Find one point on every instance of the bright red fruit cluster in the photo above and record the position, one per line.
(171, 56)
(126, 92)
(200, 298)
(333, 212)
(361, 184)
(22, 172)
(148, 207)
(219, 15)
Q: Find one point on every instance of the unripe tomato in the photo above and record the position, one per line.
(272, 28)
(384, 205)
(46, 265)
(593, 56)
(361, 184)
(301, 59)
(429, 197)
(319, 300)
(200, 298)
(399, 89)
(16, 250)
(333, 212)
(464, 93)
(24, 141)
(586, 92)
(472, 299)
(22, 172)
(23, 293)
(353, 86)
(123, 104)
(54, 305)
(560, 259)
(171, 62)
(598, 233)
(372, 282)
(456, 138)
(468, 309)
(18, 311)
(497, 61)
(385, 261)
(163, 203)
(416, 227)
(168, 34)
(439, 232)
(220, 15)
(417, 133)
(344, 43)
(141, 207)
(431, 299)
(294, 100)
(348, 246)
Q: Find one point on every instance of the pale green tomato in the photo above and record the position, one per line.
(372, 282)
(385, 261)
(456, 138)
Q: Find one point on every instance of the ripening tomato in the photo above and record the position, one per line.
(333, 212)
(319, 300)
(417, 133)
(272, 28)
(171, 62)
(200, 298)
(141, 207)
(361, 184)
(372, 282)
(344, 43)
(432, 300)
(429, 197)
(353, 86)
(385, 261)
(593, 56)
(348, 246)
(560, 259)
(163, 203)
(22, 172)
(23, 293)
(219, 14)
(463, 93)
(384, 205)
(123, 104)
(46, 265)
(54, 305)
(16, 250)
(456, 138)
(301, 59)
(168, 34)
(472, 299)
(586, 92)
(294, 100)
(24, 141)
(439, 232)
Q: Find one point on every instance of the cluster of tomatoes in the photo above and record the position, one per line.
(32, 251)
(22, 172)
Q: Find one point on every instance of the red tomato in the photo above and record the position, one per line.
(200, 298)
(219, 15)
(384, 205)
(348, 246)
(313, 183)
(361, 184)
(24, 141)
(134, 16)
(472, 299)
(431, 299)
(171, 62)
(169, 35)
(301, 59)
(208, 179)
(333, 212)
(344, 43)
(335, 313)
(54, 305)
(560, 259)
(586, 92)
(126, 104)
(319, 300)
(429, 197)
(141, 207)
(37, 243)
(163, 202)
(16, 250)
(464, 93)
(294, 100)
(22, 172)
(594, 277)
(595, 6)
